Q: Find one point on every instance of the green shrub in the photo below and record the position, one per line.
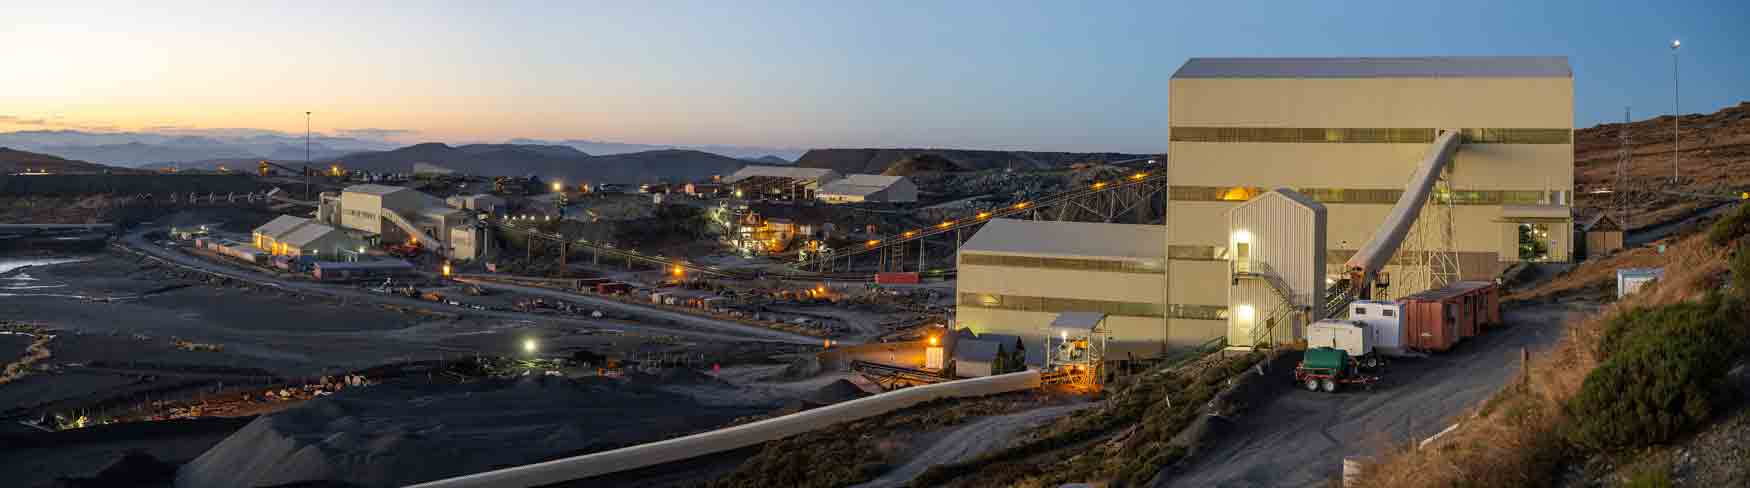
(1730, 227)
(1655, 475)
(1741, 272)
(1661, 375)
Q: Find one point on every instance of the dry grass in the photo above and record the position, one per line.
(1512, 439)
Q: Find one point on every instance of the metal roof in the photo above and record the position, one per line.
(1005, 340)
(859, 185)
(795, 173)
(1411, 67)
(975, 350)
(1078, 320)
(1069, 239)
(280, 225)
(379, 190)
(306, 234)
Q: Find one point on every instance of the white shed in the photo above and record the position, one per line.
(1276, 249)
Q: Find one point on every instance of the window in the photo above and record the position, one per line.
(1387, 312)
(1057, 305)
(1395, 135)
(1101, 265)
(1360, 311)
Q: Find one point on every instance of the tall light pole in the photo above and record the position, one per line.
(1676, 112)
(308, 175)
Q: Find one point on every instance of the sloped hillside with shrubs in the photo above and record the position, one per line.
(1643, 372)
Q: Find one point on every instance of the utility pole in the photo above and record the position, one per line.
(1676, 110)
(308, 176)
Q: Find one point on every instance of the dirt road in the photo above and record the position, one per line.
(1292, 437)
(969, 441)
(698, 328)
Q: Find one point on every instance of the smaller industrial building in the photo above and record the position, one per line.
(869, 188)
(1016, 277)
(290, 235)
(481, 203)
(780, 181)
(1603, 236)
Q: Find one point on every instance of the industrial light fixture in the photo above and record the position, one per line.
(529, 346)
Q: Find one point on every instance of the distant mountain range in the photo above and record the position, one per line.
(143, 148)
(15, 161)
(545, 161)
(876, 161)
(602, 148)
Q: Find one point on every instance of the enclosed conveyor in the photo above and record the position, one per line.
(1364, 266)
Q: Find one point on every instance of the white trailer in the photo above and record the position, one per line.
(1352, 336)
(1386, 320)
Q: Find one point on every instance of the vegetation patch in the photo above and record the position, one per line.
(1661, 377)
(1145, 415)
(1641, 371)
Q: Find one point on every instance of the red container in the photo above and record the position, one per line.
(612, 288)
(906, 278)
(1436, 319)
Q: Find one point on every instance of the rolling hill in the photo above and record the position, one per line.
(875, 161)
(550, 161)
(14, 161)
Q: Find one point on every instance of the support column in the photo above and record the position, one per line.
(921, 263)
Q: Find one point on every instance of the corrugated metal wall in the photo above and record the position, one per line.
(1287, 239)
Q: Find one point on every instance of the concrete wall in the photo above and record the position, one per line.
(645, 455)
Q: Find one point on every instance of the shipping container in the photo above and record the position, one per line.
(612, 288)
(1436, 319)
(892, 278)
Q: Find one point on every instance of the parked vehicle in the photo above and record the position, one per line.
(1325, 368)
(1353, 337)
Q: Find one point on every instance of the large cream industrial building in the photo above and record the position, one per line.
(397, 214)
(1342, 137)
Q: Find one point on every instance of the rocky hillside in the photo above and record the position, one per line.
(14, 161)
(549, 161)
(875, 161)
(1714, 150)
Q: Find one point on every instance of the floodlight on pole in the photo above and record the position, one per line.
(1676, 108)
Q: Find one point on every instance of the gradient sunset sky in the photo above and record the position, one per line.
(998, 75)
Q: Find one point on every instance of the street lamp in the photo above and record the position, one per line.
(1676, 112)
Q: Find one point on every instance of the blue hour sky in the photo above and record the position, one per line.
(969, 74)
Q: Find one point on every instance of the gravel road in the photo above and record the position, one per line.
(713, 330)
(1292, 437)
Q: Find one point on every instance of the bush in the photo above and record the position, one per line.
(1741, 272)
(1730, 227)
(1660, 378)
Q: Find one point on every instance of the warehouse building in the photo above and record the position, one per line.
(1016, 276)
(397, 215)
(869, 188)
(289, 235)
(1347, 133)
(787, 182)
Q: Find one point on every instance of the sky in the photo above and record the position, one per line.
(1050, 75)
